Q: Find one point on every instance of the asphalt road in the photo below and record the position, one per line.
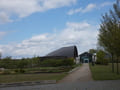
(91, 85)
(78, 80)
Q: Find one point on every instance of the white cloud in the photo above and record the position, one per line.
(2, 34)
(106, 4)
(81, 34)
(39, 37)
(78, 26)
(4, 18)
(72, 11)
(23, 8)
(89, 8)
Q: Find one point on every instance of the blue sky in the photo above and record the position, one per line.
(37, 27)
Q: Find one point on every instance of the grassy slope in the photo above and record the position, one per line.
(30, 77)
(104, 72)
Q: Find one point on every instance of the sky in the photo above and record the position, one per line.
(36, 27)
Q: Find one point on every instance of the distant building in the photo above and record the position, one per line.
(94, 57)
(64, 52)
(69, 52)
(85, 57)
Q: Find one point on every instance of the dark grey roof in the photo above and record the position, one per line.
(85, 53)
(70, 51)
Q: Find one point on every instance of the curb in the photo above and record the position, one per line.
(27, 83)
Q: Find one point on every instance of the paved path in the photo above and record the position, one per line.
(82, 74)
(78, 80)
(90, 85)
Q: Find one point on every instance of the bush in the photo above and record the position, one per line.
(101, 58)
(16, 70)
(6, 72)
(57, 62)
(105, 62)
(22, 64)
(22, 71)
(68, 62)
(19, 71)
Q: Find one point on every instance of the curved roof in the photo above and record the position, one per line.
(70, 51)
(85, 53)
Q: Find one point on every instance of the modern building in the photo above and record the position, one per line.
(64, 52)
(69, 52)
(85, 57)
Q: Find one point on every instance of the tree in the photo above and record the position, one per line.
(0, 55)
(92, 51)
(101, 58)
(116, 17)
(109, 36)
(106, 36)
(6, 62)
(22, 64)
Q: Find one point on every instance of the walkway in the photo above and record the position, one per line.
(77, 80)
(90, 85)
(82, 74)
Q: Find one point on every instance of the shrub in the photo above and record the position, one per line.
(19, 71)
(105, 62)
(68, 62)
(22, 64)
(101, 58)
(57, 62)
(6, 72)
(16, 70)
(22, 71)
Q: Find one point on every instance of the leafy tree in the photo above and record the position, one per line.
(106, 36)
(101, 58)
(22, 64)
(117, 43)
(6, 62)
(0, 55)
(92, 51)
(109, 36)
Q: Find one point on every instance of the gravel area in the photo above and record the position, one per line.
(81, 74)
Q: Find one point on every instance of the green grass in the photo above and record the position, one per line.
(77, 65)
(104, 72)
(35, 70)
(31, 77)
(48, 69)
(9, 78)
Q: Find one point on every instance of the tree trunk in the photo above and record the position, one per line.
(117, 66)
(112, 64)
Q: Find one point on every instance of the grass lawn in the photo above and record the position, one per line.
(31, 77)
(104, 72)
(48, 69)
